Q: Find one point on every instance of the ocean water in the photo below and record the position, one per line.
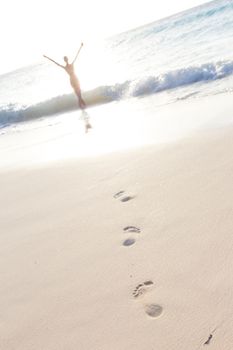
(185, 56)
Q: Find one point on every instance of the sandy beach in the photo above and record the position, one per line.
(127, 250)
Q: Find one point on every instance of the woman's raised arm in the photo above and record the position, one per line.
(50, 59)
(77, 53)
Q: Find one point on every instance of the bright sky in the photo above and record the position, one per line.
(30, 28)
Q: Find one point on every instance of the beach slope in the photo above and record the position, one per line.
(130, 250)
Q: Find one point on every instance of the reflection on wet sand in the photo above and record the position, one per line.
(86, 119)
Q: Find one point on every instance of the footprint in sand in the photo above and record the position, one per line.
(122, 196)
(118, 194)
(130, 229)
(128, 242)
(142, 288)
(153, 310)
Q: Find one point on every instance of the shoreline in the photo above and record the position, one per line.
(117, 127)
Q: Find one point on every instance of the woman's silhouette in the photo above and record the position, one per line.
(74, 82)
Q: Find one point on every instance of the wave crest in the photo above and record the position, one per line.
(143, 86)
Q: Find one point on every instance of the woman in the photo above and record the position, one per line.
(69, 68)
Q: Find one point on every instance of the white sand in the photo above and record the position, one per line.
(68, 282)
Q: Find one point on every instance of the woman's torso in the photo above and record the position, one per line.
(69, 68)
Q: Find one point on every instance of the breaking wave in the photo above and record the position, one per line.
(208, 72)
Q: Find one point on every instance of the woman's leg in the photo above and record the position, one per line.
(81, 101)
